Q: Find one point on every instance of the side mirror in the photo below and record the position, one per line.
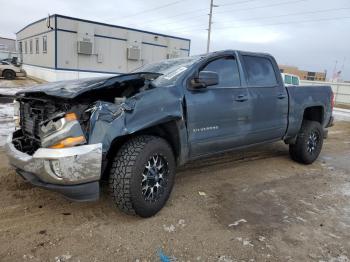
(206, 78)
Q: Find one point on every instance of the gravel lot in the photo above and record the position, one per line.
(251, 205)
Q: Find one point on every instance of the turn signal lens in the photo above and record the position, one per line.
(70, 141)
(70, 117)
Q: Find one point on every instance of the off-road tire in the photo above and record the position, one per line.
(126, 175)
(9, 74)
(299, 151)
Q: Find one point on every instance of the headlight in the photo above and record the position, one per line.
(16, 113)
(55, 125)
(62, 131)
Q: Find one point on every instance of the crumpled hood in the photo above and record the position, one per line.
(73, 88)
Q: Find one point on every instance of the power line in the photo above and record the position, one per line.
(239, 2)
(205, 9)
(262, 6)
(276, 16)
(297, 13)
(224, 11)
(272, 24)
(290, 22)
(151, 9)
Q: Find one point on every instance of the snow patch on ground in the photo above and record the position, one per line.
(7, 125)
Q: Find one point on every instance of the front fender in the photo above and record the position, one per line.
(150, 108)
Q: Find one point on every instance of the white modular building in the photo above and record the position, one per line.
(60, 48)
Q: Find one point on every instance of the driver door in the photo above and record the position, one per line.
(218, 115)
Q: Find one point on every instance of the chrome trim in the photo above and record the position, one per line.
(79, 164)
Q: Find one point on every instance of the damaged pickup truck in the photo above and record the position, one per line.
(134, 129)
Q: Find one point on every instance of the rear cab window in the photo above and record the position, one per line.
(260, 71)
(295, 80)
(288, 79)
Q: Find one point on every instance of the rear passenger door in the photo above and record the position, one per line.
(269, 98)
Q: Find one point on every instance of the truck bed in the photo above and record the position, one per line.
(301, 97)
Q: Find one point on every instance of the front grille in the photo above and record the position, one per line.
(32, 114)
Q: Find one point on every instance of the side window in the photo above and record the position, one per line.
(44, 44)
(31, 46)
(288, 79)
(260, 71)
(37, 45)
(227, 69)
(295, 81)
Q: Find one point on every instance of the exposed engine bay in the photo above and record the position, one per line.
(60, 112)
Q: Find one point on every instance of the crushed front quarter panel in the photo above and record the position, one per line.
(144, 110)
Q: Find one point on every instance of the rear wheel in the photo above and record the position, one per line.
(308, 144)
(9, 74)
(142, 175)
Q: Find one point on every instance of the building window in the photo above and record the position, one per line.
(20, 48)
(31, 46)
(25, 47)
(44, 44)
(37, 45)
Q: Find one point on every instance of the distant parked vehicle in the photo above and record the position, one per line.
(290, 80)
(12, 60)
(10, 71)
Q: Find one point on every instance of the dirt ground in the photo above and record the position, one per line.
(252, 205)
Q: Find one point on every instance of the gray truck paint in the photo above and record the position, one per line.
(207, 120)
(263, 117)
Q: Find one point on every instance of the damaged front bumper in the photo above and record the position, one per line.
(75, 171)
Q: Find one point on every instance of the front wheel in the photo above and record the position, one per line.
(308, 144)
(142, 175)
(9, 74)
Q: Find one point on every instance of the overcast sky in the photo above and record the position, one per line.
(310, 34)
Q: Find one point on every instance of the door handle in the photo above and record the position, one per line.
(281, 96)
(241, 98)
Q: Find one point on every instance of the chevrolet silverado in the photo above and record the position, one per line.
(134, 129)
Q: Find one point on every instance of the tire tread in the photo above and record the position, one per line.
(297, 150)
(122, 170)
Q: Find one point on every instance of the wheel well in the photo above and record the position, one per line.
(3, 72)
(314, 113)
(167, 131)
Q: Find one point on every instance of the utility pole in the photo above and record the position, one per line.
(334, 70)
(210, 23)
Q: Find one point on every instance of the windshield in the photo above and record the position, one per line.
(170, 69)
